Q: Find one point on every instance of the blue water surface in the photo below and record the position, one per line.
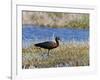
(34, 34)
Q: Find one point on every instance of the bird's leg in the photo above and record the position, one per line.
(48, 52)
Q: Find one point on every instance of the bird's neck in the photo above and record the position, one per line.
(57, 42)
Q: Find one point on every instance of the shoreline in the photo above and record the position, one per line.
(34, 26)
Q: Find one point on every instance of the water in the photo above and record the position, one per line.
(36, 34)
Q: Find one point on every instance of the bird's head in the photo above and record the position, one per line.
(57, 38)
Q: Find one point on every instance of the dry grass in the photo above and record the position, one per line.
(66, 55)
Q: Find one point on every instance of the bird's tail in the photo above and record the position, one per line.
(36, 45)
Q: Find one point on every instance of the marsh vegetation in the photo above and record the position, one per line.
(56, 19)
(66, 55)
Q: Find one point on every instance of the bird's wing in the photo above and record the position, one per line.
(47, 44)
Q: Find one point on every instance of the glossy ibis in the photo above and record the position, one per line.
(49, 44)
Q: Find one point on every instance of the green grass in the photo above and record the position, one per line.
(66, 55)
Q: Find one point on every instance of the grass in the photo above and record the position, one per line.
(66, 55)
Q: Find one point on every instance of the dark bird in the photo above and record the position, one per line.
(49, 44)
